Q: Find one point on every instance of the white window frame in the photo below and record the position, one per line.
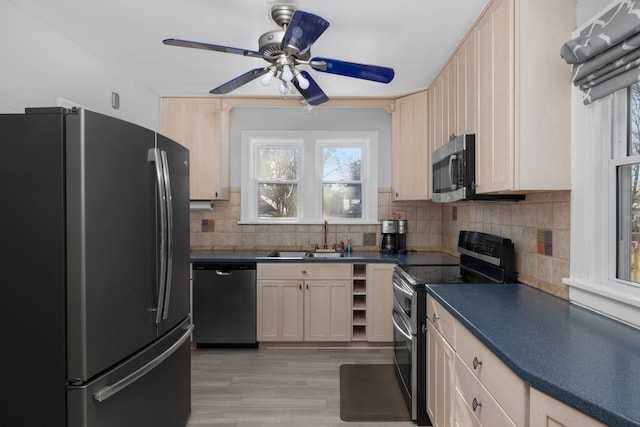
(599, 134)
(310, 191)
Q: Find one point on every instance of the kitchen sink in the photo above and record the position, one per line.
(288, 254)
(325, 254)
(304, 254)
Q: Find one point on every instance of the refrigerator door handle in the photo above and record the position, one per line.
(169, 253)
(155, 157)
(108, 391)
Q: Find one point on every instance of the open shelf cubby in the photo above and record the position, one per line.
(359, 303)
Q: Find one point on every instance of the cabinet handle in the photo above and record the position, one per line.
(476, 363)
(300, 286)
(307, 286)
(475, 404)
(434, 318)
(304, 272)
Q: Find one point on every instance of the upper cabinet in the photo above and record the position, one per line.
(452, 96)
(523, 89)
(201, 126)
(506, 83)
(411, 151)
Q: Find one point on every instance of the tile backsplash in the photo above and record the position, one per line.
(424, 232)
(432, 226)
(538, 226)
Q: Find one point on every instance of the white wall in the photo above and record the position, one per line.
(352, 119)
(38, 65)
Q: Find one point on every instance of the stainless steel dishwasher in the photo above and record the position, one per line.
(224, 304)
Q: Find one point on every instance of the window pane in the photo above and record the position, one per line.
(277, 200)
(634, 120)
(628, 222)
(342, 201)
(341, 164)
(278, 163)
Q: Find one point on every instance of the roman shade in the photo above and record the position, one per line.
(605, 55)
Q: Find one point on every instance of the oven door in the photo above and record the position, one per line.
(404, 298)
(404, 358)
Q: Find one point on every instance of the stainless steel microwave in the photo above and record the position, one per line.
(454, 172)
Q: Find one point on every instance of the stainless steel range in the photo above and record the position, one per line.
(484, 258)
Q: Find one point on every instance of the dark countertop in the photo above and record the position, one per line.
(582, 358)
(411, 258)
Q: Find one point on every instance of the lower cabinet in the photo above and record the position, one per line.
(303, 302)
(546, 411)
(379, 302)
(469, 386)
(280, 310)
(327, 310)
(440, 378)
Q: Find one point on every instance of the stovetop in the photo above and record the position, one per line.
(484, 258)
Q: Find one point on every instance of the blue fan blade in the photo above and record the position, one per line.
(215, 47)
(313, 94)
(351, 69)
(239, 81)
(303, 30)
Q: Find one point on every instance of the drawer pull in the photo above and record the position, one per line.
(475, 404)
(434, 318)
(476, 363)
(304, 272)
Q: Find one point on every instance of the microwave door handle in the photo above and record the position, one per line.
(452, 180)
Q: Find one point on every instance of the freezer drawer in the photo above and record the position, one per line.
(152, 389)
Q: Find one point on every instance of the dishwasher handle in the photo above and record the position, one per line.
(224, 268)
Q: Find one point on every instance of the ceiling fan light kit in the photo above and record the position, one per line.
(285, 49)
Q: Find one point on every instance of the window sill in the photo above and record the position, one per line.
(612, 299)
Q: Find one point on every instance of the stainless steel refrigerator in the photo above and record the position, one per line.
(94, 272)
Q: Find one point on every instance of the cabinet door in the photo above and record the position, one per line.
(436, 112)
(279, 310)
(546, 411)
(327, 310)
(465, 76)
(411, 150)
(379, 302)
(495, 137)
(196, 124)
(440, 379)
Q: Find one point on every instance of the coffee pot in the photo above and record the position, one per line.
(388, 240)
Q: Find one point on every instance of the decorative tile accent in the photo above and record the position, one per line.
(545, 242)
(208, 225)
(369, 239)
(398, 215)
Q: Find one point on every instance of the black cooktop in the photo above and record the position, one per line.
(484, 258)
(443, 274)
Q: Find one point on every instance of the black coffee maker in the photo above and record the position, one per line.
(388, 240)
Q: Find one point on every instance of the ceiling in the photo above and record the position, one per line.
(415, 37)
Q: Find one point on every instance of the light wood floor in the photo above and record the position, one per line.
(270, 387)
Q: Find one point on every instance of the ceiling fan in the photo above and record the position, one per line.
(285, 49)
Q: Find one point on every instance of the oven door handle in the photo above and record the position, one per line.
(399, 329)
(403, 290)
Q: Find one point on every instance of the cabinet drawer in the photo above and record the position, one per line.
(469, 393)
(499, 380)
(441, 319)
(304, 271)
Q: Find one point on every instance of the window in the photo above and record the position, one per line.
(307, 177)
(627, 163)
(604, 205)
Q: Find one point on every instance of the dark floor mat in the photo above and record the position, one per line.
(371, 393)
